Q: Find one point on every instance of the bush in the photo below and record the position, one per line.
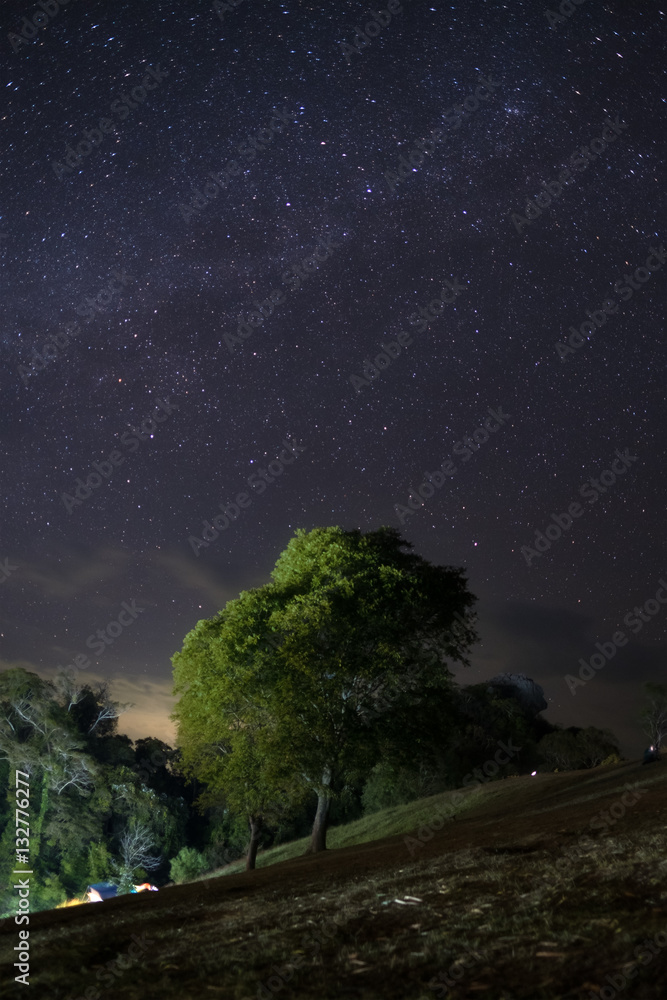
(389, 786)
(227, 837)
(47, 894)
(187, 865)
(100, 862)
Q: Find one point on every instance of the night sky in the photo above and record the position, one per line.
(143, 281)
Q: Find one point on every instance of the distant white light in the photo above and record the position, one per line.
(533, 773)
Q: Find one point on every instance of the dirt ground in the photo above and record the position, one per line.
(519, 898)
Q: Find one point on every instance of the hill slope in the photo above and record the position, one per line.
(517, 897)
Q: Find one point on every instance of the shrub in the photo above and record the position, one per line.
(187, 865)
(389, 786)
(99, 862)
(47, 893)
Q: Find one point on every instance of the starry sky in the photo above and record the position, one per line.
(134, 280)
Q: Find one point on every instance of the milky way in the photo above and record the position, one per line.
(279, 223)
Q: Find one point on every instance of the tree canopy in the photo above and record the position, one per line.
(288, 676)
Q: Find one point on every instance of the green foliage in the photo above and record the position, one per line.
(85, 792)
(74, 873)
(47, 893)
(187, 865)
(164, 817)
(226, 736)
(389, 786)
(226, 836)
(279, 693)
(126, 881)
(99, 862)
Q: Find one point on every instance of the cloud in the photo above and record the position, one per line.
(150, 699)
(24, 665)
(152, 704)
(195, 575)
(87, 568)
(76, 571)
(545, 644)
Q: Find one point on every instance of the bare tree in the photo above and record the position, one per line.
(68, 769)
(654, 716)
(136, 845)
(65, 763)
(31, 714)
(108, 709)
(69, 687)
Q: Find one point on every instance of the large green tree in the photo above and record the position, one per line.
(325, 666)
(226, 732)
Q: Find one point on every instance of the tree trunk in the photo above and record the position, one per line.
(255, 830)
(318, 837)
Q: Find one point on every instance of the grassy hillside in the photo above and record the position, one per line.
(546, 888)
(386, 823)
